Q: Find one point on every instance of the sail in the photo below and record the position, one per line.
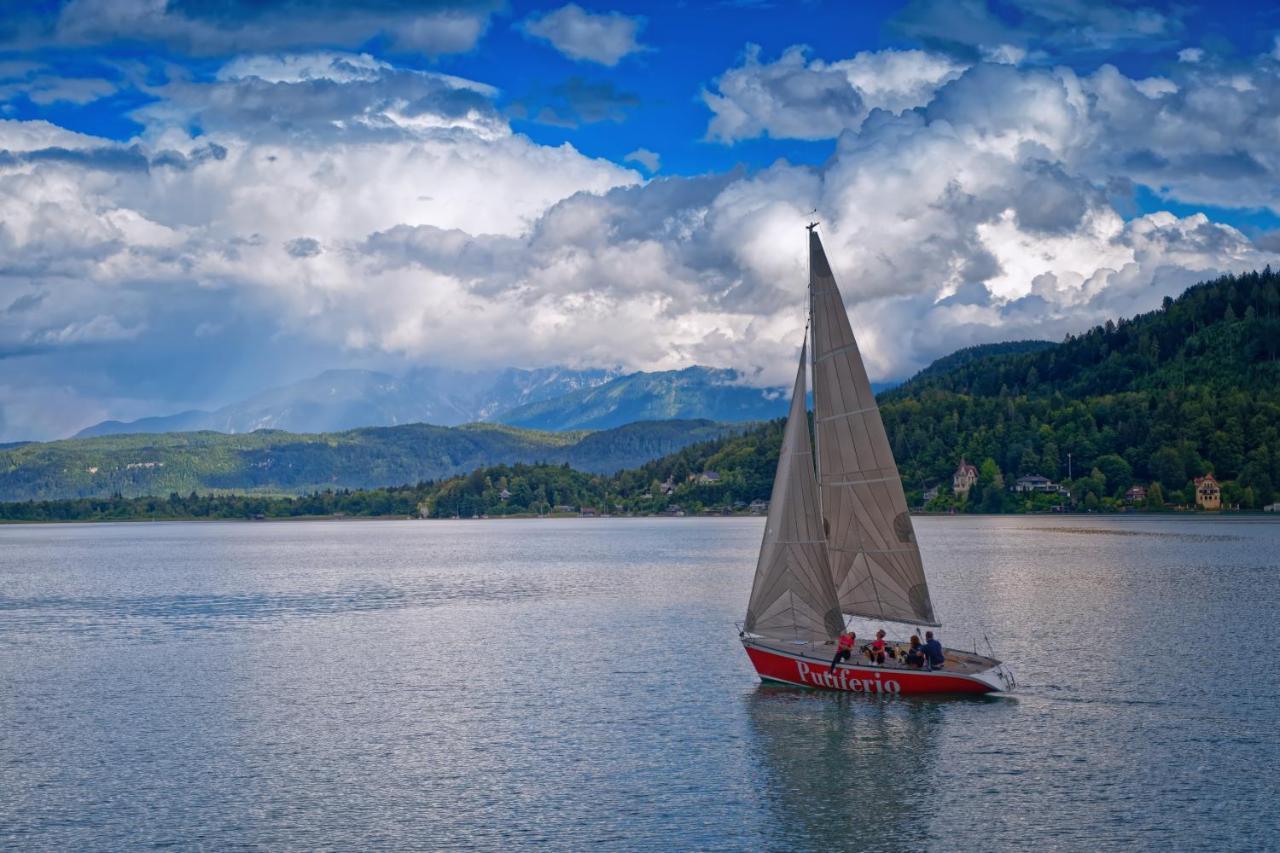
(871, 544)
(793, 597)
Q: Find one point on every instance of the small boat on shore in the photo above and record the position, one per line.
(839, 542)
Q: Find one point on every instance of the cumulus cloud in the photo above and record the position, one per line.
(43, 85)
(796, 98)
(433, 28)
(336, 208)
(299, 160)
(651, 160)
(326, 95)
(582, 35)
(1201, 135)
(1190, 54)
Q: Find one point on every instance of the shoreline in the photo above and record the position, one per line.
(1231, 515)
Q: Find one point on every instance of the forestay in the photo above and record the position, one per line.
(875, 561)
(793, 597)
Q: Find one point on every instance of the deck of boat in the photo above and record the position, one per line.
(959, 662)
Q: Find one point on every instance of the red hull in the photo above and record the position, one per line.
(806, 671)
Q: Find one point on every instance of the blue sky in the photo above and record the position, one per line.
(199, 200)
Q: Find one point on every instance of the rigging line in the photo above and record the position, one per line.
(835, 352)
(888, 479)
(848, 414)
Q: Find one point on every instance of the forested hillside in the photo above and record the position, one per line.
(1155, 400)
(270, 461)
(1191, 388)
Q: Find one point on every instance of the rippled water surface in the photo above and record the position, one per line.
(561, 684)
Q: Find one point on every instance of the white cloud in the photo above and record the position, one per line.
(43, 85)
(582, 35)
(1004, 54)
(1155, 87)
(336, 209)
(800, 99)
(651, 160)
(262, 218)
(1191, 54)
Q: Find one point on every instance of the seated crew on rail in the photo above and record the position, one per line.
(876, 649)
(844, 649)
(915, 654)
(933, 651)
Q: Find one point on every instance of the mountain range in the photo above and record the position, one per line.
(1154, 400)
(1148, 403)
(276, 462)
(551, 398)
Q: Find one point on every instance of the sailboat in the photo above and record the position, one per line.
(839, 542)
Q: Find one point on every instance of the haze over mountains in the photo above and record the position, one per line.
(551, 398)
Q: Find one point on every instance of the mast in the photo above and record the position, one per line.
(813, 379)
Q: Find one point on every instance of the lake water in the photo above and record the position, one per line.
(564, 684)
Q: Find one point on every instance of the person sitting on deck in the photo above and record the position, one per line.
(933, 651)
(915, 654)
(875, 650)
(844, 649)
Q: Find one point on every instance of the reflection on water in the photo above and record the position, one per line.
(573, 684)
(841, 772)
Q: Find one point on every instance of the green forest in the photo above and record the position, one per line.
(1157, 400)
(273, 462)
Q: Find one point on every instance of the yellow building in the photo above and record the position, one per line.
(1208, 493)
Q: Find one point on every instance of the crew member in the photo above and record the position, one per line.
(875, 650)
(933, 651)
(844, 649)
(915, 654)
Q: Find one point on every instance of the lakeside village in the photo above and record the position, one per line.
(542, 490)
(972, 489)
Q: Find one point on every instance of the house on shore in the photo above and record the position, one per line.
(964, 478)
(758, 507)
(709, 478)
(1036, 483)
(1135, 495)
(1208, 492)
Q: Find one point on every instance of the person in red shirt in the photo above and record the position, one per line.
(844, 649)
(875, 651)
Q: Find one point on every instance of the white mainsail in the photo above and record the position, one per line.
(871, 545)
(793, 597)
